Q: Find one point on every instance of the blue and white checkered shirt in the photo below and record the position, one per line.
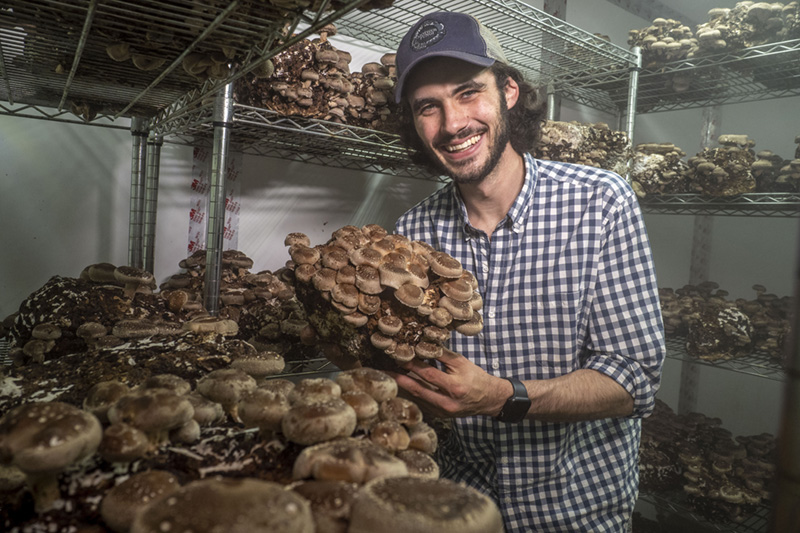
(568, 282)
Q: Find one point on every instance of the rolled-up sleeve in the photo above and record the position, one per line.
(626, 336)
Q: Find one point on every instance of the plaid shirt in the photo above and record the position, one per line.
(568, 282)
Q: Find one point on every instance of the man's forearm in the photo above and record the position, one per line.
(580, 395)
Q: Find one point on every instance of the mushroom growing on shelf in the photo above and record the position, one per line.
(42, 439)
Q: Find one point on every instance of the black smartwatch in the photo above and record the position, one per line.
(516, 407)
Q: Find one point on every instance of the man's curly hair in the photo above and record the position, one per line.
(525, 119)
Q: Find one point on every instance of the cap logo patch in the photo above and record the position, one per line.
(429, 33)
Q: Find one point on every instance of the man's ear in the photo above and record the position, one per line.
(511, 91)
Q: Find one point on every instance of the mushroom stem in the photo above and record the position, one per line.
(44, 487)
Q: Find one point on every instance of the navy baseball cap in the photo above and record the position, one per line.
(446, 34)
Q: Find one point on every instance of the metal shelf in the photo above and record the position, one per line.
(756, 364)
(53, 52)
(754, 74)
(264, 132)
(676, 503)
(753, 204)
(546, 49)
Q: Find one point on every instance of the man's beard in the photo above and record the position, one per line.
(502, 138)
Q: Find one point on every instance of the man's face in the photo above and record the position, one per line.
(460, 116)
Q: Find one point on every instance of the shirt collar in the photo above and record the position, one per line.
(519, 209)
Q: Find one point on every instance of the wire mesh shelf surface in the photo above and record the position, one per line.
(751, 204)
(675, 504)
(753, 74)
(124, 57)
(755, 364)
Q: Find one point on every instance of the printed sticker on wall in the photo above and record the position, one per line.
(198, 207)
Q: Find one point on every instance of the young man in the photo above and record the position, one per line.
(547, 401)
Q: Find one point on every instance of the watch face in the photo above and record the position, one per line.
(516, 407)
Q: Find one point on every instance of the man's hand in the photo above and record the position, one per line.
(460, 388)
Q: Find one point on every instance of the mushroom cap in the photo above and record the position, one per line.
(212, 324)
(312, 423)
(91, 330)
(281, 385)
(260, 365)
(311, 390)
(458, 289)
(330, 501)
(390, 325)
(153, 411)
(428, 350)
(445, 265)
(348, 459)
(389, 435)
(414, 504)
(380, 385)
(401, 410)
(176, 384)
(363, 404)
(394, 275)
(134, 275)
(134, 329)
(472, 326)
(263, 409)
(121, 503)
(368, 303)
(46, 331)
(224, 386)
(206, 412)
(123, 443)
(226, 504)
(334, 257)
(46, 437)
(101, 396)
(423, 438)
(460, 310)
(345, 294)
(419, 463)
(324, 279)
(410, 295)
(365, 256)
(302, 254)
(440, 317)
(297, 238)
(368, 279)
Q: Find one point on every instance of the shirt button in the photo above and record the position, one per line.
(507, 499)
(504, 460)
(495, 365)
(491, 313)
(485, 267)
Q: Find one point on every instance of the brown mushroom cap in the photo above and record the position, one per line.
(410, 295)
(441, 317)
(122, 502)
(324, 279)
(261, 364)
(390, 325)
(42, 439)
(428, 350)
(389, 435)
(311, 390)
(224, 386)
(459, 310)
(317, 422)
(348, 459)
(422, 505)
(423, 438)
(330, 501)
(101, 396)
(445, 265)
(297, 238)
(419, 463)
(46, 331)
(134, 329)
(345, 294)
(154, 411)
(368, 279)
(176, 384)
(206, 412)
(363, 404)
(401, 410)
(123, 443)
(302, 254)
(368, 303)
(366, 256)
(263, 409)
(226, 504)
(393, 275)
(133, 278)
(380, 385)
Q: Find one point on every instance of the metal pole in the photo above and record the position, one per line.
(630, 112)
(223, 117)
(786, 510)
(553, 105)
(138, 165)
(699, 268)
(154, 143)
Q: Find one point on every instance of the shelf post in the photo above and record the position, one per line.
(139, 127)
(630, 112)
(699, 269)
(154, 142)
(223, 119)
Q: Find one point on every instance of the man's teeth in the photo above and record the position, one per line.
(466, 144)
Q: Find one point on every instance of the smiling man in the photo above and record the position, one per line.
(547, 401)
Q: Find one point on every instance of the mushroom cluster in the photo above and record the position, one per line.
(658, 168)
(747, 24)
(725, 477)
(665, 40)
(313, 79)
(371, 293)
(588, 144)
(724, 171)
(721, 328)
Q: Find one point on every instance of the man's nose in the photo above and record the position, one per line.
(455, 118)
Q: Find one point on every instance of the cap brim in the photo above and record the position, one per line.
(455, 54)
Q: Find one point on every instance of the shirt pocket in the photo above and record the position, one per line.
(548, 327)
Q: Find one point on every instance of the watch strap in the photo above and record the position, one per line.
(517, 406)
